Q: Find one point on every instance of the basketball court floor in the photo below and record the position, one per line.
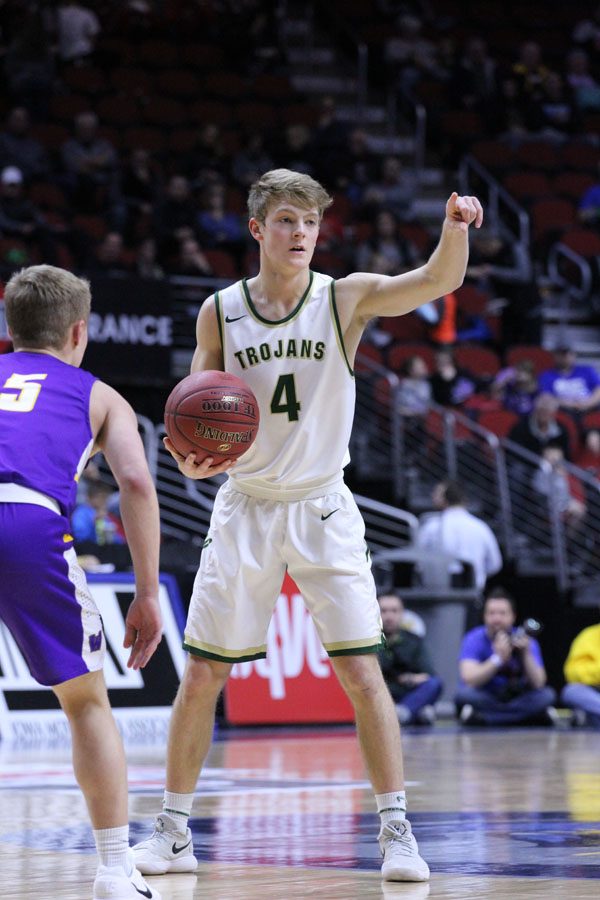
(289, 814)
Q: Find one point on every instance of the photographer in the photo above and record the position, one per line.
(502, 672)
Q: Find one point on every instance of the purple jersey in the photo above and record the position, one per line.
(42, 399)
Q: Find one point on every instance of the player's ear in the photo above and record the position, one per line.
(255, 228)
(78, 331)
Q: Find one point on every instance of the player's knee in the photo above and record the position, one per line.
(204, 677)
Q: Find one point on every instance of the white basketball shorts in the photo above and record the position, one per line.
(250, 544)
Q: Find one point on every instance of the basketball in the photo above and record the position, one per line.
(212, 413)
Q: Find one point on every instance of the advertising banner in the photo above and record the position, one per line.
(295, 683)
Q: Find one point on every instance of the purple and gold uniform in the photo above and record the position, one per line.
(45, 441)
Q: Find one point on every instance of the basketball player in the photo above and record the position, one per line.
(53, 416)
(291, 334)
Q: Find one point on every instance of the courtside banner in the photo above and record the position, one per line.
(295, 683)
(141, 700)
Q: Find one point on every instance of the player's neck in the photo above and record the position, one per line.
(278, 292)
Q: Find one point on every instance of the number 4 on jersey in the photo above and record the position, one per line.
(285, 390)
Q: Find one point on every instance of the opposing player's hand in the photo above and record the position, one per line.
(143, 630)
(464, 211)
(189, 466)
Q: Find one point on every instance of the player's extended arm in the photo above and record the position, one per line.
(370, 295)
(114, 423)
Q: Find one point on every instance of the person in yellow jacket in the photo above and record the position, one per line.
(582, 673)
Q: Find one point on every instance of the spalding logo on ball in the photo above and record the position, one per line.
(212, 413)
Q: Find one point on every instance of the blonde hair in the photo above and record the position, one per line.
(42, 302)
(284, 185)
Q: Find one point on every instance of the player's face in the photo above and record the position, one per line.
(289, 234)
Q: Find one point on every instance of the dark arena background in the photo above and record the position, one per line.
(127, 147)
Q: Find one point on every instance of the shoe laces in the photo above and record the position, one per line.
(398, 835)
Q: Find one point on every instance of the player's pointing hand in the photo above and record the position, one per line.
(464, 211)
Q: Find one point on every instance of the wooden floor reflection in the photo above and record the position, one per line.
(500, 814)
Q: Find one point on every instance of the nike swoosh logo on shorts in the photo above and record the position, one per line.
(175, 849)
(328, 514)
(146, 893)
(237, 318)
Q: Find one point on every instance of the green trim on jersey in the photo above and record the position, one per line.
(274, 324)
(219, 311)
(338, 328)
(210, 651)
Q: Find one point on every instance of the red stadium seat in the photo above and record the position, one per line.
(472, 300)
(367, 351)
(541, 358)
(399, 353)
(528, 185)
(222, 264)
(500, 421)
(591, 420)
(480, 361)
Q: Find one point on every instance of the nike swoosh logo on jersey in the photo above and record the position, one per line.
(237, 318)
(175, 849)
(328, 514)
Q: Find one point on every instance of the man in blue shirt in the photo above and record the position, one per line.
(503, 679)
(576, 387)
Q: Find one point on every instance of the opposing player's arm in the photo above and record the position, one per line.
(209, 352)
(116, 433)
(363, 295)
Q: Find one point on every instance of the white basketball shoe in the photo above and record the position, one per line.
(166, 851)
(401, 860)
(113, 883)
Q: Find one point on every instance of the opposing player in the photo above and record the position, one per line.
(53, 416)
(291, 334)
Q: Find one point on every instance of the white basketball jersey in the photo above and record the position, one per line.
(304, 384)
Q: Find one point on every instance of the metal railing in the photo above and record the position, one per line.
(575, 277)
(501, 209)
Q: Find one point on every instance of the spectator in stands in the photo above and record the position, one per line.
(474, 83)
(459, 534)
(414, 392)
(207, 157)
(190, 260)
(94, 521)
(540, 428)
(585, 87)
(582, 674)
(409, 55)
(139, 187)
(530, 72)
(503, 679)
(588, 457)
(588, 208)
(251, 160)
(18, 148)
(450, 385)
(110, 257)
(386, 251)
(20, 218)
(557, 484)
(329, 143)
(90, 164)
(395, 190)
(146, 262)
(516, 387)
(576, 387)
(295, 150)
(77, 29)
(553, 113)
(175, 215)
(503, 270)
(217, 226)
(406, 666)
(359, 167)
(29, 67)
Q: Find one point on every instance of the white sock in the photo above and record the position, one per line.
(178, 808)
(391, 807)
(112, 845)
